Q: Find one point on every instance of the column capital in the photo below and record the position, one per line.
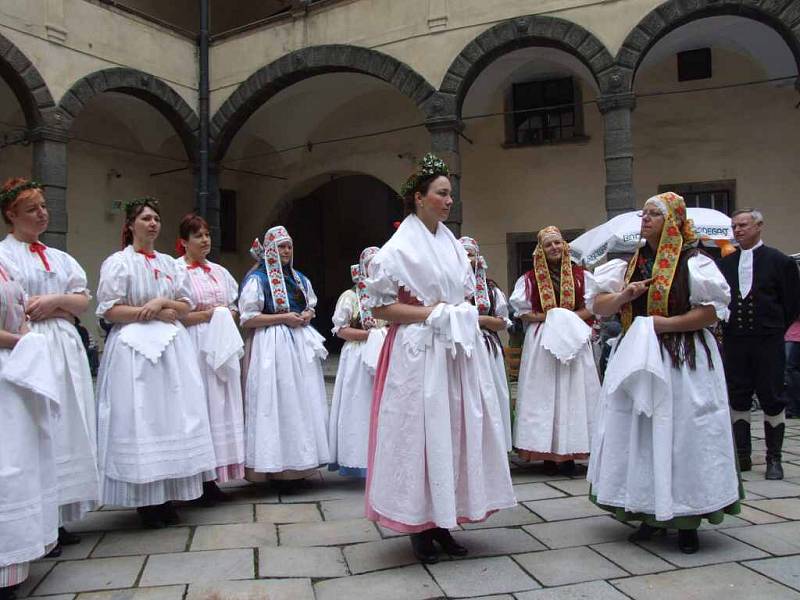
(48, 133)
(444, 123)
(610, 102)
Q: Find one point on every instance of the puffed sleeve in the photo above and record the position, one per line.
(76, 278)
(606, 279)
(251, 300)
(346, 306)
(519, 299)
(183, 287)
(707, 286)
(381, 288)
(501, 306)
(231, 289)
(113, 286)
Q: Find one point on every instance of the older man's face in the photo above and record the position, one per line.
(746, 230)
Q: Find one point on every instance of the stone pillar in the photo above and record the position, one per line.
(444, 133)
(212, 205)
(50, 169)
(618, 147)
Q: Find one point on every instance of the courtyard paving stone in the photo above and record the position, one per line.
(273, 589)
(632, 558)
(173, 592)
(788, 508)
(772, 489)
(595, 590)
(128, 543)
(287, 513)
(481, 576)
(90, 575)
(579, 532)
(301, 562)
(385, 554)
(560, 509)
(492, 542)
(719, 582)
(237, 535)
(569, 565)
(195, 567)
(406, 583)
(351, 508)
(329, 533)
(573, 487)
(217, 515)
(715, 547)
(776, 538)
(536, 491)
(519, 515)
(79, 551)
(785, 570)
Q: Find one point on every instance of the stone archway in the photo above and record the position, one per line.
(27, 84)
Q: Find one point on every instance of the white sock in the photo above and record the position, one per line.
(740, 415)
(775, 420)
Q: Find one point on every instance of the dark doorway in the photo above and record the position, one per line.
(330, 227)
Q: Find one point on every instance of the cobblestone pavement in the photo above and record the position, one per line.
(314, 543)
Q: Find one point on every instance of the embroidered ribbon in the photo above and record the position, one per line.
(39, 248)
(272, 260)
(482, 301)
(678, 230)
(359, 274)
(205, 268)
(547, 294)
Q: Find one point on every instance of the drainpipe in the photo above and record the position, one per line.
(202, 101)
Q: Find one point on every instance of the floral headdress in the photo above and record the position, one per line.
(272, 262)
(132, 205)
(430, 165)
(678, 231)
(544, 283)
(359, 275)
(482, 301)
(11, 194)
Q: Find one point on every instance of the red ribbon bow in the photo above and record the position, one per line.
(151, 256)
(39, 249)
(203, 267)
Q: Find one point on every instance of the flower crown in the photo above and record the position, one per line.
(429, 166)
(15, 191)
(136, 202)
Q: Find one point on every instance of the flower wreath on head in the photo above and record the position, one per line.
(11, 194)
(359, 275)
(428, 166)
(678, 232)
(136, 202)
(482, 301)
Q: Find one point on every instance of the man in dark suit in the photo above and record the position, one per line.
(765, 300)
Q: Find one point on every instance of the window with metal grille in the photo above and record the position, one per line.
(719, 195)
(545, 112)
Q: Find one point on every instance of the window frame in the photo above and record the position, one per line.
(704, 187)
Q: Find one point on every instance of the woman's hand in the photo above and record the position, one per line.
(307, 315)
(167, 315)
(635, 289)
(42, 307)
(149, 311)
(533, 317)
(294, 320)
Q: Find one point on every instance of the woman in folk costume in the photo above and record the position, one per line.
(155, 443)
(492, 318)
(57, 292)
(212, 327)
(663, 449)
(437, 453)
(558, 381)
(348, 428)
(286, 405)
(29, 403)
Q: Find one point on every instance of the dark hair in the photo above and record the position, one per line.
(191, 223)
(133, 210)
(422, 185)
(27, 189)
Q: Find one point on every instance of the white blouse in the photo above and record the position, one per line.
(210, 289)
(707, 285)
(130, 278)
(251, 301)
(501, 307)
(26, 267)
(346, 310)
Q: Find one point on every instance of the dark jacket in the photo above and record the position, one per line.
(774, 300)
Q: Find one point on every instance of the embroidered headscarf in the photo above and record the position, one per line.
(678, 232)
(541, 271)
(272, 262)
(359, 274)
(482, 300)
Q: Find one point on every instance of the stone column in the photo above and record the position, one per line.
(444, 133)
(50, 169)
(618, 147)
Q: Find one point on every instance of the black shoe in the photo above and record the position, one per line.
(211, 490)
(688, 542)
(774, 469)
(151, 517)
(9, 593)
(567, 467)
(424, 550)
(55, 552)
(168, 514)
(550, 467)
(66, 538)
(448, 544)
(645, 532)
(773, 438)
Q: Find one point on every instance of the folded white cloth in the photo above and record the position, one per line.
(149, 339)
(372, 348)
(564, 334)
(29, 367)
(311, 343)
(222, 346)
(642, 375)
